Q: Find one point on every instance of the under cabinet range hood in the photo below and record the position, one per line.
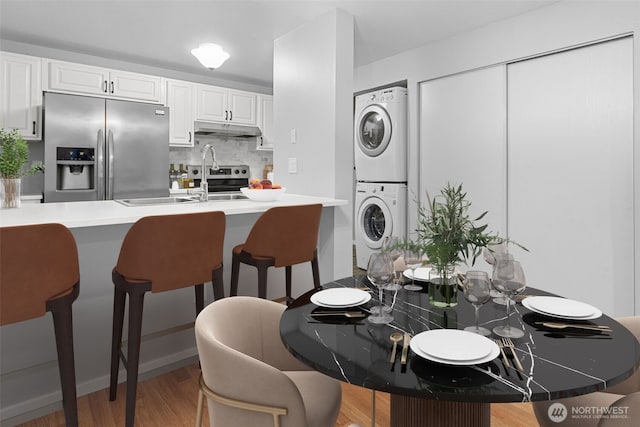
(211, 128)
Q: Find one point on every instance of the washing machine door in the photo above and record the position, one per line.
(374, 222)
(373, 130)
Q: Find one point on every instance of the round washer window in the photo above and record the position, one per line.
(374, 222)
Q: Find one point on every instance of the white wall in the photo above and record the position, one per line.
(556, 27)
(312, 88)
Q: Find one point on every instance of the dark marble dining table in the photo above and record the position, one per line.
(556, 363)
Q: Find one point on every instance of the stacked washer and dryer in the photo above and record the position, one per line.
(381, 169)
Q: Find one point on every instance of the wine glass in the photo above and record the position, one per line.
(380, 273)
(508, 278)
(491, 254)
(477, 290)
(391, 245)
(413, 259)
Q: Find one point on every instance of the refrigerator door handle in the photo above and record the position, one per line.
(100, 164)
(110, 165)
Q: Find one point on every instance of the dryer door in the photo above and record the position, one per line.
(374, 222)
(373, 130)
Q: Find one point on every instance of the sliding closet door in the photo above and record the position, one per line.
(462, 139)
(570, 172)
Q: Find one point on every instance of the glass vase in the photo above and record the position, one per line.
(443, 290)
(10, 193)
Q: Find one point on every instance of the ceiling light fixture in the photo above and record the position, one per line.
(210, 55)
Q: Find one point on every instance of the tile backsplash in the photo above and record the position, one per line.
(229, 151)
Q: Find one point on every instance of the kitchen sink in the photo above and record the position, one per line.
(174, 200)
(227, 196)
(151, 201)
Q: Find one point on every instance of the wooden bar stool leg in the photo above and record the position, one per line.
(316, 270)
(199, 290)
(287, 273)
(235, 271)
(217, 283)
(119, 300)
(262, 279)
(63, 327)
(136, 303)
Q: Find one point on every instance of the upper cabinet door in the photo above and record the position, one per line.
(21, 94)
(211, 103)
(89, 80)
(265, 122)
(218, 104)
(180, 103)
(136, 86)
(242, 107)
(77, 78)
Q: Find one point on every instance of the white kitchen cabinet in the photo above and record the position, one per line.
(180, 103)
(86, 79)
(265, 122)
(225, 105)
(21, 94)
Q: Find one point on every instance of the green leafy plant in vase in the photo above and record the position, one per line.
(14, 154)
(447, 235)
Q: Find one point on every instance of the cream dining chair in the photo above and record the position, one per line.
(249, 377)
(625, 397)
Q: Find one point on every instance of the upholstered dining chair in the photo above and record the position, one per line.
(147, 262)
(281, 237)
(28, 291)
(249, 377)
(625, 397)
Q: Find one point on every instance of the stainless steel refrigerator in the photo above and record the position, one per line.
(102, 149)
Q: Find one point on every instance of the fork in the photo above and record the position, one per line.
(503, 356)
(509, 343)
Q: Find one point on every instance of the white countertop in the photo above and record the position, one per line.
(108, 212)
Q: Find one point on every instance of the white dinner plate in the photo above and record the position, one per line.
(422, 274)
(561, 307)
(340, 297)
(454, 347)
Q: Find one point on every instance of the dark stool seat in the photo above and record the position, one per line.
(39, 272)
(281, 237)
(148, 262)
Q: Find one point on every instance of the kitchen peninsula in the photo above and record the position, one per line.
(31, 384)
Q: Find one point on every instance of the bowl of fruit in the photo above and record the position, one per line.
(263, 190)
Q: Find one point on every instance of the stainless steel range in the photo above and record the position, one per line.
(227, 178)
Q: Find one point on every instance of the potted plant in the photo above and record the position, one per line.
(14, 153)
(447, 236)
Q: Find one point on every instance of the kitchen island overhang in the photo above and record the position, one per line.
(30, 383)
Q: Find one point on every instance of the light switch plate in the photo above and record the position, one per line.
(293, 165)
(293, 136)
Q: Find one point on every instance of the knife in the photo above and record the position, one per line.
(405, 348)
(350, 314)
(595, 328)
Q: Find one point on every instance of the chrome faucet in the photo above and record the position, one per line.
(204, 184)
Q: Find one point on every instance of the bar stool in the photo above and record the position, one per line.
(147, 262)
(29, 290)
(282, 236)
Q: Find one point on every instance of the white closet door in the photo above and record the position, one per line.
(570, 172)
(462, 140)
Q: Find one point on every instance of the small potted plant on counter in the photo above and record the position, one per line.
(14, 153)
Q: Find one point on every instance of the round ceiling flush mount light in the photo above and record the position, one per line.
(210, 55)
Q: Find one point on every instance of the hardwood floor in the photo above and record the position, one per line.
(170, 400)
